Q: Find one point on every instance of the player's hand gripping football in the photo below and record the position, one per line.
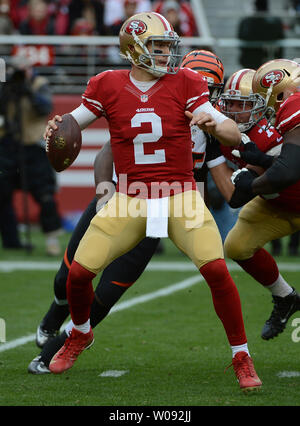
(51, 126)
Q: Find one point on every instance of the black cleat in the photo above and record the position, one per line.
(284, 308)
(43, 336)
(37, 366)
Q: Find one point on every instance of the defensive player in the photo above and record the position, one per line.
(276, 213)
(108, 237)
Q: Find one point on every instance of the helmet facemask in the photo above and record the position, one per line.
(215, 90)
(255, 111)
(149, 56)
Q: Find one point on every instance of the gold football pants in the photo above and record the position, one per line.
(121, 224)
(258, 223)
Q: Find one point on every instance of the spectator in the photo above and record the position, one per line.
(59, 9)
(18, 12)
(92, 11)
(114, 10)
(129, 9)
(171, 11)
(6, 25)
(181, 14)
(9, 227)
(25, 103)
(82, 27)
(260, 27)
(39, 21)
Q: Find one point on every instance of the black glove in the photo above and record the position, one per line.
(242, 180)
(252, 155)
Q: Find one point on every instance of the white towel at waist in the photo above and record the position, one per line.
(157, 217)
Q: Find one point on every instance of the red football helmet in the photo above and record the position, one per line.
(210, 66)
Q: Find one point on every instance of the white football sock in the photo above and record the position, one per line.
(69, 327)
(84, 328)
(240, 348)
(280, 287)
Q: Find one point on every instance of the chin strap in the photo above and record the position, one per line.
(269, 93)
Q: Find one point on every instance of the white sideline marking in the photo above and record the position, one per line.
(188, 282)
(288, 374)
(10, 266)
(113, 373)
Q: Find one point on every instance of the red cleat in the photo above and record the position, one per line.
(72, 348)
(245, 372)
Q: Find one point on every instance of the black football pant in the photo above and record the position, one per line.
(115, 279)
(27, 168)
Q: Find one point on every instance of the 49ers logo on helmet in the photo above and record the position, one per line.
(138, 27)
(272, 78)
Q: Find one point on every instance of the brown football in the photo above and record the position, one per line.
(64, 145)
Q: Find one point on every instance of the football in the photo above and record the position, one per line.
(64, 145)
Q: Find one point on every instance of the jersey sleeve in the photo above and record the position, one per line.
(91, 98)
(265, 137)
(214, 155)
(197, 92)
(288, 116)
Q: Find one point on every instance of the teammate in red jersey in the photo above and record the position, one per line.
(276, 213)
(147, 40)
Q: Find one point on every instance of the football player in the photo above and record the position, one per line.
(275, 213)
(124, 271)
(148, 41)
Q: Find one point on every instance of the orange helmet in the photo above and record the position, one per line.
(142, 28)
(239, 88)
(210, 66)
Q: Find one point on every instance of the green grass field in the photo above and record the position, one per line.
(171, 349)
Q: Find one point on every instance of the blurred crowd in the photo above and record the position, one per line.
(87, 17)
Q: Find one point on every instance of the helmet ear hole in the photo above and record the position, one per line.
(280, 96)
(131, 48)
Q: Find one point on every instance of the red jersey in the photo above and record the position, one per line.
(150, 134)
(288, 117)
(265, 139)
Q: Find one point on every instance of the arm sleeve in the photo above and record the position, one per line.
(284, 172)
(207, 107)
(83, 116)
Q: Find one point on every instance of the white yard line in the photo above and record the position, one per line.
(11, 266)
(188, 282)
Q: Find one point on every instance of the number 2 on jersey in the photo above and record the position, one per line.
(159, 155)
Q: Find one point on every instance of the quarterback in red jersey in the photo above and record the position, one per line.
(150, 138)
(276, 212)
